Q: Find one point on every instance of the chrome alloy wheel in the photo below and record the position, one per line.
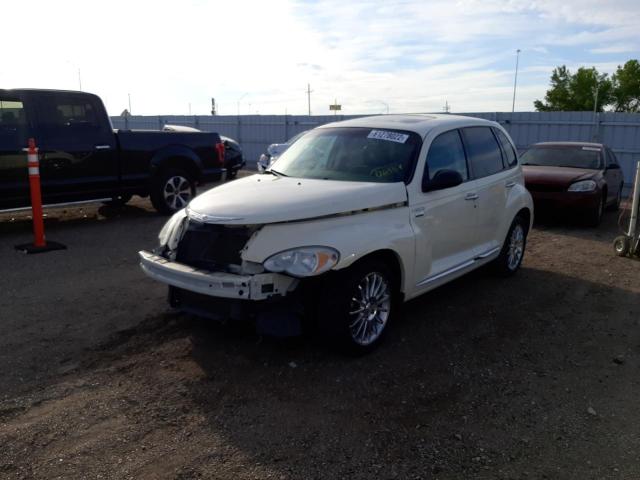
(177, 192)
(369, 309)
(516, 247)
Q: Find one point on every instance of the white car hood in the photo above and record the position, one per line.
(261, 199)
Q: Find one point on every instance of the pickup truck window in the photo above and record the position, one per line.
(446, 153)
(69, 117)
(352, 154)
(13, 123)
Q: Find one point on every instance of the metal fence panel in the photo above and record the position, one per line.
(620, 131)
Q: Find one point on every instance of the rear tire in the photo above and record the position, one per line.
(358, 307)
(172, 190)
(621, 246)
(512, 253)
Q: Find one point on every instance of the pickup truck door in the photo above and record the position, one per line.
(444, 220)
(14, 178)
(77, 146)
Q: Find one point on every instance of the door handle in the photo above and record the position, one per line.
(471, 196)
(510, 184)
(418, 212)
(103, 147)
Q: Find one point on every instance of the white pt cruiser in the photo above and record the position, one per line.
(355, 218)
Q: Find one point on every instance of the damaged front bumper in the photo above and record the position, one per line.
(261, 286)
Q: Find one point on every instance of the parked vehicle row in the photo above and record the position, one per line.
(274, 151)
(83, 159)
(353, 219)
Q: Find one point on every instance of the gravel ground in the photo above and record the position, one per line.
(536, 376)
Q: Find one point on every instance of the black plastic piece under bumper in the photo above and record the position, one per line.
(278, 316)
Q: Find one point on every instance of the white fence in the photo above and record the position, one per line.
(620, 131)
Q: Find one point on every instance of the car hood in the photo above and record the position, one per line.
(559, 176)
(261, 199)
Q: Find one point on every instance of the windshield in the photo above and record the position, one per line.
(352, 154)
(574, 157)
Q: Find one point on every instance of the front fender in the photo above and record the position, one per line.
(354, 236)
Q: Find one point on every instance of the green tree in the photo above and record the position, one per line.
(576, 92)
(626, 87)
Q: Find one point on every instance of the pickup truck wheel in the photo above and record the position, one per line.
(172, 190)
(512, 253)
(359, 307)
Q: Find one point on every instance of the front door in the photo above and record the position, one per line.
(444, 220)
(14, 177)
(78, 153)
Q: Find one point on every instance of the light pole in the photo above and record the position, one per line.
(515, 82)
(238, 101)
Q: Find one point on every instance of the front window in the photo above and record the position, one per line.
(352, 154)
(571, 156)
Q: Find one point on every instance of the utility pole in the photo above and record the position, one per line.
(129, 102)
(446, 107)
(309, 97)
(515, 82)
(79, 80)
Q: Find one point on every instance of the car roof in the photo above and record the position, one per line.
(568, 144)
(420, 123)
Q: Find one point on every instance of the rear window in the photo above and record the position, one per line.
(563, 156)
(483, 151)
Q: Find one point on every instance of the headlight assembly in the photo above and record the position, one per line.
(303, 261)
(172, 231)
(583, 186)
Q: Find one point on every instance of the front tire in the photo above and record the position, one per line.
(595, 216)
(172, 190)
(512, 253)
(359, 306)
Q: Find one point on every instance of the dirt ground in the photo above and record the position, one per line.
(533, 377)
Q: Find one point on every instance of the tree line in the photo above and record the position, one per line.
(581, 90)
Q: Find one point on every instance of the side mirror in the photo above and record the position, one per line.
(443, 179)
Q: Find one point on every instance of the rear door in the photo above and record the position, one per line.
(492, 179)
(445, 221)
(78, 153)
(14, 179)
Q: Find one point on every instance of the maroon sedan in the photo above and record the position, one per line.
(583, 178)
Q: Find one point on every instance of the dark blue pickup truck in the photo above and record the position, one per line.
(83, 159)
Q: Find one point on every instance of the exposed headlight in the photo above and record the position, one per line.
(583, 186)
(172, 231)
(303, 262)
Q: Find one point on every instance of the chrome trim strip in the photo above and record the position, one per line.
(58, 205)
(457, 268)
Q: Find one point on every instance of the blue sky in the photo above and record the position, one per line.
(257, 57)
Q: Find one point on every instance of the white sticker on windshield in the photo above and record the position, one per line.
(591, 149)
(388, 136)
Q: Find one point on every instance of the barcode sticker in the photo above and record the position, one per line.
(388, 136)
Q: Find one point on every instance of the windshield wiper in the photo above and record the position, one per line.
(276, 173)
